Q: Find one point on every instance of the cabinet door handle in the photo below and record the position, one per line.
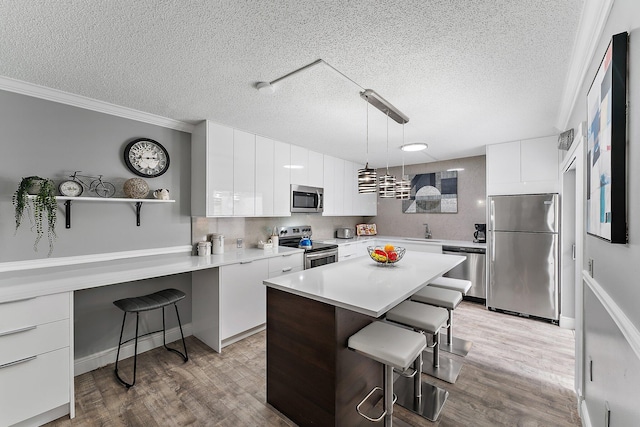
(347, 256)
(283, 256)
(15, 331)
(284, 270)
(246, 262)
(17, 362)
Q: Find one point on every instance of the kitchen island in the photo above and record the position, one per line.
(312, 377)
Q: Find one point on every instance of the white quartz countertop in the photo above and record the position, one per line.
(362, 285)
(398, 240)
(29, 283)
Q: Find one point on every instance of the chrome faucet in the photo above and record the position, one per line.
(427, 232)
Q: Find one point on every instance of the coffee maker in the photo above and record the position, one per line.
(480, 236)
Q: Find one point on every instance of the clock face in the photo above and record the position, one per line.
(146, 157)
(70, 188)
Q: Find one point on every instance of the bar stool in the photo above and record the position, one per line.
(427, 400)
(153, 301)
(392, 346)
(452, 284)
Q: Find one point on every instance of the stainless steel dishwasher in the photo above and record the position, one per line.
(474, 268)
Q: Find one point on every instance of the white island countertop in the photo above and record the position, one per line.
(362, 285)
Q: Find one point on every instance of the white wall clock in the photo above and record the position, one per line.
(146, 157)
(70, 188)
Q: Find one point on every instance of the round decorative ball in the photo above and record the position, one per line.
(136, 188)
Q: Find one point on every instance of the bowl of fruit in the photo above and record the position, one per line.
(387, 255)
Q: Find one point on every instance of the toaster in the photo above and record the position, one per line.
(345, 233)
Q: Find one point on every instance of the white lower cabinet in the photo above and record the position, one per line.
(229, 302)
(243, 297)
(35, 358)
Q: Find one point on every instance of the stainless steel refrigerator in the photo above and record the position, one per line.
(522, 249)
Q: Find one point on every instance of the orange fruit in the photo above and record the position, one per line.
(389, 248)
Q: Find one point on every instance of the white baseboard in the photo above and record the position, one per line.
(584, 415)
(103, 358)
(567, 322)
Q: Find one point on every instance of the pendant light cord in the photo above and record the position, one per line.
(387, 142)
(402, 152)
(367, 164)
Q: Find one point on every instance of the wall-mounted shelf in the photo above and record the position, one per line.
(138, 204)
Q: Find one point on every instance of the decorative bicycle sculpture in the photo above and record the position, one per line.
(75, 186)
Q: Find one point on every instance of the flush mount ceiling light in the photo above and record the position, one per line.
(367, 177)
(415, 146)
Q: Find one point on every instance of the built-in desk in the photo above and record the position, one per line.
(36, 318)
(312, 377)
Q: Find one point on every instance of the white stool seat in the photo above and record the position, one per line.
(452, 284)
(420, 316)
(439, 297)
(388, 344)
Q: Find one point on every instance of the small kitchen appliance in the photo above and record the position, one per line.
(306, 199)
(480, 236)
(345, 233)
(316, 254)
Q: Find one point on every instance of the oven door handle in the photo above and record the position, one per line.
(323, 254)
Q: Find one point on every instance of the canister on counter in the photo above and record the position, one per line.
(217, 241)
(204, 248)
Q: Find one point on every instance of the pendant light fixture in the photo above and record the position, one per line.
(403, 186)
(367, 177)
(387, 181)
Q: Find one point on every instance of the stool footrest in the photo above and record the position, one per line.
(375, 420)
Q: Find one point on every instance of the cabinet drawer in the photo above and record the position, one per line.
(32, 340)
(285, 264)
(34, 311)
(34, 386)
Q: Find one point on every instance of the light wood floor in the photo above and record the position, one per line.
(519, 372)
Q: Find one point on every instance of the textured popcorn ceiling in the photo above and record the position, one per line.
(466, 73)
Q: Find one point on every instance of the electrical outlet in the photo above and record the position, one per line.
(590, 266)
(239, 243)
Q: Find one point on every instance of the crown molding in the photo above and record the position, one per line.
(592, 22)
(55, 95)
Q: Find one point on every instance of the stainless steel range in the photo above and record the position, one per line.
(315, 255)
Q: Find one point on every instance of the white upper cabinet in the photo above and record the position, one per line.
(523, 167)
(299, 165)
(265, 176)
(211, 170)
(316, 169)
(329, 184)
(281, 179)
(244, 173)
(341, 197)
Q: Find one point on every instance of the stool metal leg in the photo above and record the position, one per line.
(135, 351)
(442, 368)
(425, 399)
(455, 345)
(185, 356)
(388, 395)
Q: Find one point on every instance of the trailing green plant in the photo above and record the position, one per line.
(44, 206)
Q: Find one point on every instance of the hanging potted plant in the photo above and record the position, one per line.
(44, 206)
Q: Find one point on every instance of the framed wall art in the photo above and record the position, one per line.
(606, 145)
(435, 192)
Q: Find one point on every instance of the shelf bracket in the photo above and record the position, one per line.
(138, 207)
(67, 214)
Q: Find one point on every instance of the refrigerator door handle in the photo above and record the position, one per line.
(492, 215)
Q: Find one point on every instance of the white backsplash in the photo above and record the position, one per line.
(252, 230)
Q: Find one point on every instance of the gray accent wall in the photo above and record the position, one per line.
(472, 194)
(616, 267)
(52, 140)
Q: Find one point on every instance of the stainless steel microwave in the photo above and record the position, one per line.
(306, 199)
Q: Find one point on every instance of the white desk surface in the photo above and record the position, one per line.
(362, 285)
(29, 283)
